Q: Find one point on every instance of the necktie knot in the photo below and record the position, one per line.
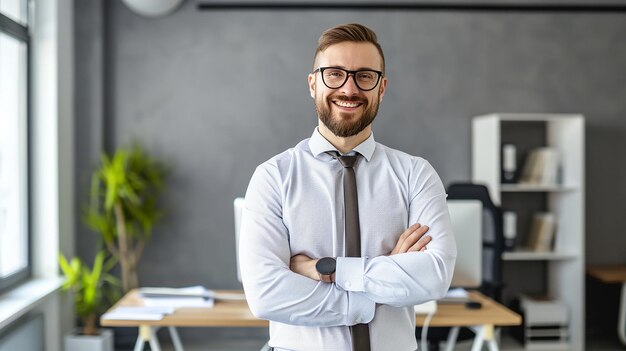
(346, 161)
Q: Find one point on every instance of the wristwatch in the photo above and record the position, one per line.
(326, 268)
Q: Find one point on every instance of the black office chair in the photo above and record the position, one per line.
(493, 247)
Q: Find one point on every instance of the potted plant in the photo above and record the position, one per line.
(93, 289)
(123, 206)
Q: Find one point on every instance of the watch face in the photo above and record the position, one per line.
(326, 266)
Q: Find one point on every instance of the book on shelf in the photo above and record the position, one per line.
(541, 167)
(542, 231)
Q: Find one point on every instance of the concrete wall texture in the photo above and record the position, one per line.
(215, 93)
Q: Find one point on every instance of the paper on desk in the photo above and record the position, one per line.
(229, 296)
(140, 313)
(457, 295)
(175, 302)
(188, 292)
(132, 317)
(193, 296)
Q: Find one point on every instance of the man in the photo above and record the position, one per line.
(295, 228)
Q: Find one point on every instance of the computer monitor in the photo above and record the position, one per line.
(466, 217)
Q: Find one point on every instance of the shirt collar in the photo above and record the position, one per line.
(319, 145)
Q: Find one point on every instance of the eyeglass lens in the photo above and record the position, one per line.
(334, 78)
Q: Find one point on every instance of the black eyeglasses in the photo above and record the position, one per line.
(335, 77)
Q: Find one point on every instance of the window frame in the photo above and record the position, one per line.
(21, 33)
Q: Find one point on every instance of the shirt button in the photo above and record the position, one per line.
(359, 320)
(348, 284)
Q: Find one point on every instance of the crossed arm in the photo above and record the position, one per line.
(411, 240)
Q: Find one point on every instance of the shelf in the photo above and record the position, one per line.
(562, 274)
(536, 187)
(537, 256)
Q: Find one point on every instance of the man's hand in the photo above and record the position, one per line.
(412, 239)
(304, 265)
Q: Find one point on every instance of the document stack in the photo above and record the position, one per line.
(194, 296)
(545, 324)
(138, 313)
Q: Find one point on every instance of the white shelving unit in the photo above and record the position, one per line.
(564, 266)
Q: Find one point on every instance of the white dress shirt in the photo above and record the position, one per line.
(294, 205)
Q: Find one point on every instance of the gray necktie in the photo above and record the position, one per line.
(360, 332)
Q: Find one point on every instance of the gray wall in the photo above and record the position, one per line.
(215, 93)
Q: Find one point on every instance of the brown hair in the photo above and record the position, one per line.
(348, 32)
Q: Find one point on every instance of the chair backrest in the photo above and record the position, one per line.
(493, 237)
(238, 208)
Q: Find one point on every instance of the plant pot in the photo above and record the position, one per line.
(79, 342)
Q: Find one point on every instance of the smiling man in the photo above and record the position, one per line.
(333, 247)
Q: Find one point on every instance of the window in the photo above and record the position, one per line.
(14, 9)
(14, 170)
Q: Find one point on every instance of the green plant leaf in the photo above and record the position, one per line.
(70, 274)
(131, 179)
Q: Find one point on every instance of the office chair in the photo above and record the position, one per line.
(493, 247)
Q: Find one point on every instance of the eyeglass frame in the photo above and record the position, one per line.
(348, 73)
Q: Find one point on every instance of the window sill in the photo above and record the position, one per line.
(19, 301)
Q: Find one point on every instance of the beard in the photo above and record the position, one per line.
(340, 123)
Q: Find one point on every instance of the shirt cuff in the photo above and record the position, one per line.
(360, 309)
(349, 273)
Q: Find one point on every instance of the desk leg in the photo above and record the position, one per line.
(178, 346)
(452, 336)
(484, 333)
(142, 337)
(148, 333)
(621, 325)
(139, 344)
(154, 341)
